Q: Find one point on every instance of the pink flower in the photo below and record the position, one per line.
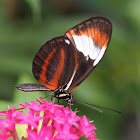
(55, 123)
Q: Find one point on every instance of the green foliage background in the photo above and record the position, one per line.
(26, 25)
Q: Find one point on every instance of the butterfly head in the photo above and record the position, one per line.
(71, 101)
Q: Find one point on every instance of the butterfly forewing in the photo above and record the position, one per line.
(55, 63)
(90, 39)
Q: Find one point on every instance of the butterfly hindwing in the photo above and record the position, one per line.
(54, 64)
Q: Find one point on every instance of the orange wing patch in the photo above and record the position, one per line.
(53, 84)
(43, 77)
(58, 74)
(44, 67)
(98, 37)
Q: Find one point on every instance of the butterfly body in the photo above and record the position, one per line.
(64, 62)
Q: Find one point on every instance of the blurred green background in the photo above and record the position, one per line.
(25, 25)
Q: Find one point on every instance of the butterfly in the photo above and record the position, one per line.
(64, 62)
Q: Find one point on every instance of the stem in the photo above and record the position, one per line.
(14, 134)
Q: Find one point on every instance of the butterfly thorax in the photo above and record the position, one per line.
(62, 94)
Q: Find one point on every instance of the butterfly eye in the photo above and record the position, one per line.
(71, 101)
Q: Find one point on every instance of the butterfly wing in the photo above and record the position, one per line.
(55, 63)
(90, 39)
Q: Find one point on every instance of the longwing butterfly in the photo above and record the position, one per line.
(64, 62)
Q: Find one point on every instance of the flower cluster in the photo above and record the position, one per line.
(45, 121)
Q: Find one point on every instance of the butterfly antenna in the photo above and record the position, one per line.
(94, 107)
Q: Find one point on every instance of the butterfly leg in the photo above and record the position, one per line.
(58, 101)
(70, 107)
(52, 97)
